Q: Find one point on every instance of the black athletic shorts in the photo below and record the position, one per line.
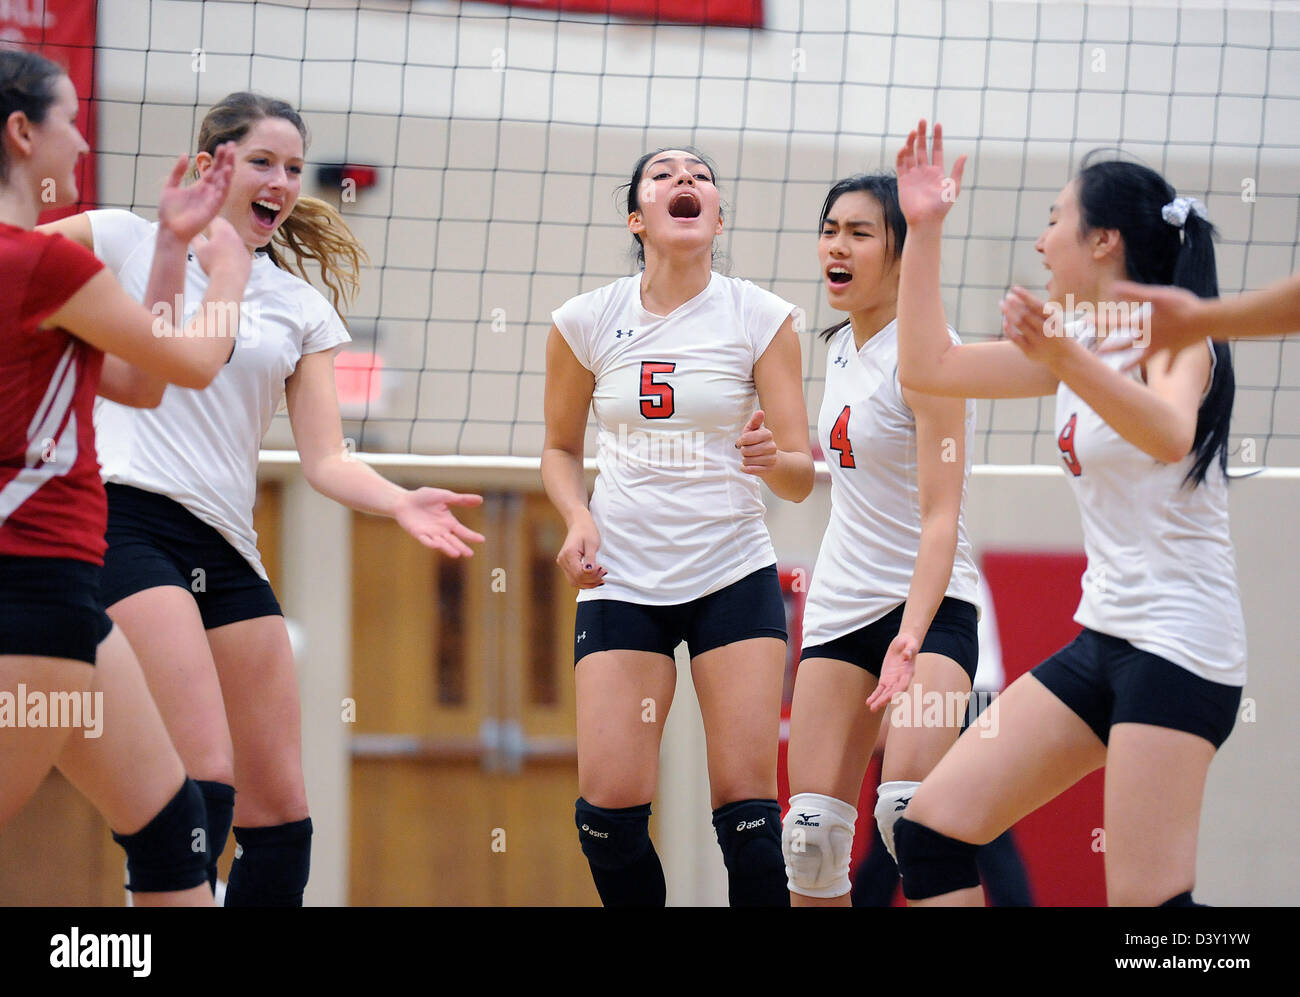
(751, 607)
(50, 606)
(953, 633)
(154, 541)
(1107, 681)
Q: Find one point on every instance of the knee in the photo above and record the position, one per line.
(612, 838)
(817, 841)
(171, 851)
(932, 864)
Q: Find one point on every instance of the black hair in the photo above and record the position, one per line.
(1130, 197)
(884, 188)
(26, 84)
(633, 188)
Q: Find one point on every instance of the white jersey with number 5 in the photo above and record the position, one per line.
(678, 518)
(1161, 571)
(868, 434)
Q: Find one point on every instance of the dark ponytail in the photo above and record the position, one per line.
(1131, 198)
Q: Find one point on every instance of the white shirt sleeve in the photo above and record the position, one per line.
(764, 313)
(575, 319)
(323, 329)
(117, 233)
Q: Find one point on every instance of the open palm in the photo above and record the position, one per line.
(425, 513)
(187, 211)
(925, 192)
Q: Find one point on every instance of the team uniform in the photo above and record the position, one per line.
(1164, 639)
(182, 477)
(682, 534)
(868, 554)
(52, 506)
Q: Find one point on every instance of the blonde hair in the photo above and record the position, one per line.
(314, 230)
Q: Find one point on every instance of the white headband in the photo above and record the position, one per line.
(1176, 211)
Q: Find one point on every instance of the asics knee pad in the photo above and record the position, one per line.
(749, 834)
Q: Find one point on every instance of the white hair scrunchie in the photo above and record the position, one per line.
(1176, 211)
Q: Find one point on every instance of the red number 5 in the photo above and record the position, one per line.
(656, 396)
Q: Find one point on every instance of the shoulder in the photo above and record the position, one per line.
(753, 297)
(596, 300)
(119, 225)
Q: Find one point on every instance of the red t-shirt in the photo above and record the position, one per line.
(52, 502)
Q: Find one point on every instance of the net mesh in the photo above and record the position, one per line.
(501, 133)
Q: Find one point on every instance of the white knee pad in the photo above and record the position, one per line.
(891, 800)
(817, 839)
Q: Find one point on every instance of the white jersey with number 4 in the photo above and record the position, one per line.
(1161, 571)
(678, 518)
(868, 434)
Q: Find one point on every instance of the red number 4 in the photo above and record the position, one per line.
(840, 439)
(656, 396)
(1066, 442)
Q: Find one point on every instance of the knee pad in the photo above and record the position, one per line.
(219, 800)
(892, 799)
(931, 863)
(271, 865)
(612, 839)
(817, 840)
(749, 834)
(170, 852)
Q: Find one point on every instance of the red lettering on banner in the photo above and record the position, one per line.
(735, 13)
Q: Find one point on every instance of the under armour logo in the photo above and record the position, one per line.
(841, 361)
(190, 257)
(581, 635)
(901, 805)
(619, 333)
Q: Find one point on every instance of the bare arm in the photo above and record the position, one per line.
(569, 388)
(1158, 417)
(329, 467)
(941, 474)
(928, 360)
(780, 453)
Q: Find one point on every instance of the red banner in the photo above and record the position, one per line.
(62, 30)
(734, 13)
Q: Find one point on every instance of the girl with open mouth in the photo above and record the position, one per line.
(671, 552)
(182, 479)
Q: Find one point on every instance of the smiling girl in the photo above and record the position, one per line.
(182, 479)
(673, 546)
(1150, 688)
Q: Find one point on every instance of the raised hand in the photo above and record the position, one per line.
(896, 671)
(223, 252)
(925, 192)
(1028, 323)
(1176, 320)
(757, 446)
(187, 211)
(425, 514)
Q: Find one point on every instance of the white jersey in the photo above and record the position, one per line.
(678, 518)
(1161, 572)
(868, 434)
(199, 448)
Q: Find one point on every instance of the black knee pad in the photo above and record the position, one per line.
(1182, 900)
(171, 851)
(931, 863)
(219, 799)
(612, 839)
(749, 834)
(271, 865)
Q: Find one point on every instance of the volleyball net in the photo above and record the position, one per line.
(497, 135)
